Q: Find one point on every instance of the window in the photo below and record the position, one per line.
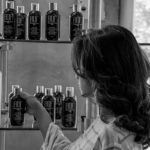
(141, 24)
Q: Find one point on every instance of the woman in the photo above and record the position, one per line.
(110, 66)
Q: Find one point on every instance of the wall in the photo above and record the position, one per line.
(110, 12)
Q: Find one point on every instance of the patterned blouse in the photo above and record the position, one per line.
(99, 136)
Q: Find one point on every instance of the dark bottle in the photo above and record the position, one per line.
(16, 109)
(9, 26)
(39, 94)
(52, 24)
(48, 102)
(11, 93)
(69, 108)
(76, 22)
(59, 99)
(21, 23)
(34, 22)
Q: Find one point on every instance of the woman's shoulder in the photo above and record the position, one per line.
(117, 138)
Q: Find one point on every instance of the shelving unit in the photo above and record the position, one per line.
(5, 47)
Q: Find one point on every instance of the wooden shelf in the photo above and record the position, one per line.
(28, 129)
(36, 41)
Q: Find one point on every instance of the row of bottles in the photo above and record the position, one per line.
(15, 23)
(61, 107)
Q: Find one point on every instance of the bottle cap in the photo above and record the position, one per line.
(75, 8)
(14, 86)
(40, 89)
(35, 6)
(52, 6)
(16, 91)
(20, 9)
(10, 4)
(58, 88)
(49, 91)
(55, 6)
(70, 91)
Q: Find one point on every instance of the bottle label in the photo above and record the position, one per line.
(49, 106)
(21, 27)
(17, 111)
(34, 26)
(34, 20)
(8, 18)
(9, 25)
(69, 112)
(52, 19)
(75, 26)
(69, 107)
(52, 27)
(77, 21)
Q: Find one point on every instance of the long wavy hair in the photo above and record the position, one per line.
(112, 58)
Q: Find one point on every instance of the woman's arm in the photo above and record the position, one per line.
(35, 108)
(43, 119)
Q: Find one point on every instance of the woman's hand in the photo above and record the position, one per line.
(32, 104)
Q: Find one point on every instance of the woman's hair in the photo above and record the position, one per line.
(112, 58)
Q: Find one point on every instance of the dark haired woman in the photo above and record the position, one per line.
(109, 65)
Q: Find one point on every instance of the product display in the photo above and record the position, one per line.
(15, 23)
(21, 23)
(59, 99)
(69, 108)
(9, 21)
(34, 22)
(61, 108)
(52, 23)
(76, 22)
(17, 107)
(48, 102)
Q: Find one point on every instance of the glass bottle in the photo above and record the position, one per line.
(9, 21)
(39, 94)
(21, 23)
(52, 24)
(34, 22)
(16, 109)
(59, 99)
(76, 22)
(11, 93)
(48, 102)
(69, 108)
